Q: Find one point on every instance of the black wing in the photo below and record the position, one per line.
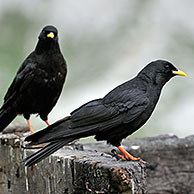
(128, 103)
(95, 116)
(22, 79)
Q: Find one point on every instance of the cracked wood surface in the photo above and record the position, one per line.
(170, 162)
(71, 170)
(89, 168)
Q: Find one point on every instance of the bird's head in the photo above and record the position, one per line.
(49, 33)
(160, 71)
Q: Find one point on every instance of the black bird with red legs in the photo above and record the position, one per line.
(119, 114)
(38, 82)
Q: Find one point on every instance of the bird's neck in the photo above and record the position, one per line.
(47, 46)
(152, 80)
(150, 86)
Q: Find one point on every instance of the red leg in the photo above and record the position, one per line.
(30, 127)
(47, 122)
(129, 156)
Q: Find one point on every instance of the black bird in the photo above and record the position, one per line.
(38, 82)
(120, 113)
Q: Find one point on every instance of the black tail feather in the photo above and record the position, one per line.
(6, 117)
(44, 135)
(46, 151)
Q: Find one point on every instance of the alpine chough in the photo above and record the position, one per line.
(38, 82)
(112, 118)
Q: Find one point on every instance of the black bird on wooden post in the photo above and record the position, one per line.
(38, 82)
(112, 118)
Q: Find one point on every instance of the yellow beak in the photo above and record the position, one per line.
(51, 35)
(179, 72)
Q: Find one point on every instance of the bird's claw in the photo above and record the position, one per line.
(122, 157)
(136, 159)
(117, 156)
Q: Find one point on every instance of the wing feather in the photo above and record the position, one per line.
(19, 84)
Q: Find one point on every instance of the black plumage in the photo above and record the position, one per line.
(38, 82)
(120, 113)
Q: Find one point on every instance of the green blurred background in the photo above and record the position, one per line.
(105, 43)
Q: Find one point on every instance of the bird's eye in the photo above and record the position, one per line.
(167, 66)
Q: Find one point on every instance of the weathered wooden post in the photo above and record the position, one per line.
(89, 168)
(70, 170)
